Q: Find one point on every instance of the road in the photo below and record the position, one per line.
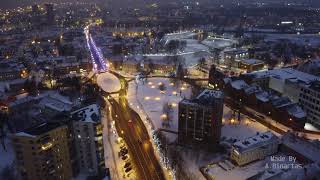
(136, 136)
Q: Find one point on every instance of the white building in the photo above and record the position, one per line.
(254, 148)
(87, 129)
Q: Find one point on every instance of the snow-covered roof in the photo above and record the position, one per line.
(252, 61)
(239, 84)
(296, 111)
(56, 102)
(265, 96)
(287, 74)
(281, 102)
(206, 98)
(252, 89)
(207, 94)
(256, 141)
(89, 113)
(24, 134)
(43, 128)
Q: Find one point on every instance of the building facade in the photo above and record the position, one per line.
(200, 119)
(87, 130)
(309, 99)
(254, 148)
(42, 152)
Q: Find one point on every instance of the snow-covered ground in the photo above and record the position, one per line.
(146, 99)
(108, 82)
(239, 130)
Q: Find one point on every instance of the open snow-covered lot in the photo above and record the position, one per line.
(239, 130)
(149, 100)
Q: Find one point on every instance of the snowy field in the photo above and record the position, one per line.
(148, 98)
(108, 82)
(239, 130)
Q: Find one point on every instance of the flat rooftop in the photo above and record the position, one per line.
(39, 130)
(256, 141)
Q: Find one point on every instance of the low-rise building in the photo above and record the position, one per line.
(254, 148)
(232, 58)
(250, 65)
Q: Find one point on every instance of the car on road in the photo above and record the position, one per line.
(127, 174)
(123, 146)
(128, 169)
(124, 150)
(126, 158)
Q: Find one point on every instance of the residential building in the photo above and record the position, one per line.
(87, 130)
(42, 152)
(200, 119)
(254, 148)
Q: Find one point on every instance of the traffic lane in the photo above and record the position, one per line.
(138, 154)
(140, 127)
(154, 166)
(119, 119)
(140, 131)
(142, 137)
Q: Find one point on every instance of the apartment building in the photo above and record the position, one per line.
(200, 119)
(42, 152)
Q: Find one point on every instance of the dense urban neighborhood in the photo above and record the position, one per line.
(160, 90)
